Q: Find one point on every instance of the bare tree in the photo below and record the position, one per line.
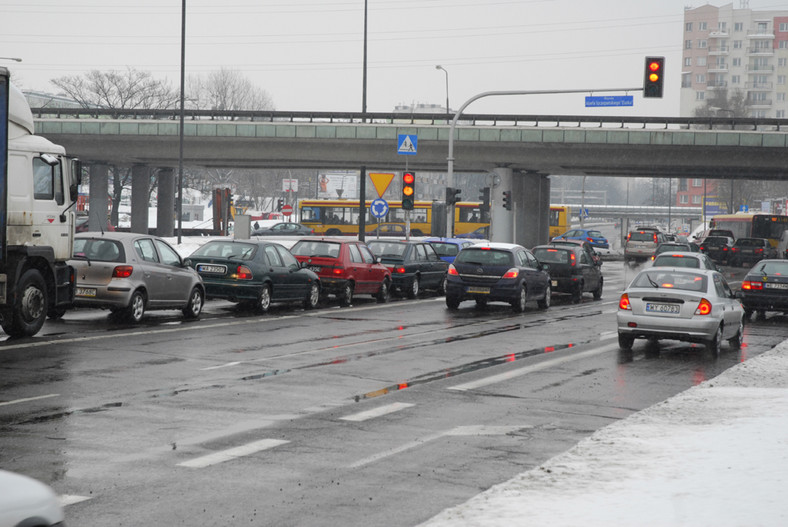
(227, 89)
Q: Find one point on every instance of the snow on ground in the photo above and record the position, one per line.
(714, 455)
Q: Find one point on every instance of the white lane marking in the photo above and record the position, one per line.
(71, 499)
(477, 430)
(232, 453)
(28, 399)
(376, 412)
(236, 363)
(501, 377)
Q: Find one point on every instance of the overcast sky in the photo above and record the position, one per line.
(308, 54)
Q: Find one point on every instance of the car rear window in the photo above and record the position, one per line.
(642, 236)
(220, 249)
(658, 279)
(676, 261)
(715, 240)
(445, 249)
(560, 256)
(774, 268)
(387, 249)
(749, 242)
(485, 257)
(595, 234)
(316, 249)
(98, 250)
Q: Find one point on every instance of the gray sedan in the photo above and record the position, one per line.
(694, 305)
(130, 273)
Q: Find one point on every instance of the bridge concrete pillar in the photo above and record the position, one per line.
(531, 195)
(165, 214)
(501, 220)
(140, 187)
(98, 197)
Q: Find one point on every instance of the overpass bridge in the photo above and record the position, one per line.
(522, 150)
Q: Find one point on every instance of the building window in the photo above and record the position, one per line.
(686, 80)
(783, 27)
(782, 62)
(735, 79)
(702, 44)
(781, 97)
(700, 78)
(783, 44)
(688, 61)
(696, 200)
(763, 27)
(722, 26)
(702, 26)
(683, 199)
(780, 114)
(700, 96)
(697, 182)
(738, 26)
(701, 61)
(736, 62)
(737, 44)
(687, 44)
(781, 79)
(688, 26)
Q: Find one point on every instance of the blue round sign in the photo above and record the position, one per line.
(379, 208)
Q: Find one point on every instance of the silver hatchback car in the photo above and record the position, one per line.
(130, 273)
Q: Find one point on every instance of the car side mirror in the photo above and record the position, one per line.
(544, 267)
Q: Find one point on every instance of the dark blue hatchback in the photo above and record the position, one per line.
(594, 237)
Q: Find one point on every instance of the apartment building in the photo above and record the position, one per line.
(736, 49)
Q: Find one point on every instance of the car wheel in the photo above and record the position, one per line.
(713, 345)
(264, 299)
(416, 232)
(598, 290)
(738, 338)
(544, 303)
(194, 307)
(519, 304)
(452, 302)
(577, 294)
(136, 307)
(30, 312)
(384, 294)
(333, 232)
(312, 297)
(442, 285)
(625, 341)
(346, 298)
(413, 292)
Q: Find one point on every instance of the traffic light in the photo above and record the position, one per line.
(279, 204)
(408, 190)
(484, 197)
(655, 77)
(507, 199)
(452, 195)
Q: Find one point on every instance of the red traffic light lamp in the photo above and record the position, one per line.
(408, 190)
(654, 79)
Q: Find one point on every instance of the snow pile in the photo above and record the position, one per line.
(714, 455)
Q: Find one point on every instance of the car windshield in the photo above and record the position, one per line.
(552, 255)
(227, 249)
(445, 249)
(98, 250)
(658, 279)
(485, 257)
(773, 268)
(387, 249)
(669, 260)
(316, 249)
(642, 236)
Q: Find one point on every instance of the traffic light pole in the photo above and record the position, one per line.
(450, 158)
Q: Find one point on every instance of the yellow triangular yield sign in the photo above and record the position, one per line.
(381, 181)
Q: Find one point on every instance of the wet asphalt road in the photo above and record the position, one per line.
(368, 415)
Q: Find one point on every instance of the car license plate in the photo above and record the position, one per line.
(770, 285)
(479, 290)
(86, 291)
(215, 269)
(314, 268)
(554, 283)
(663, 308)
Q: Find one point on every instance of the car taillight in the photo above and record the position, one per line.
(704, 308)
(400, 270)
(724, 248)
(122, 271)
(734, 249)
(338, 270)
(655, 237)
(243, 273)
(511, 273)
(589, 240)
(623, 303)
(453, 270)
(572, 261)
(759, 250)
(629, 236)
(752, 286)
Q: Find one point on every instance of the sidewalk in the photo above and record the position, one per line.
(714, 455)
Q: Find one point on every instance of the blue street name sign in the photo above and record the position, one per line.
(609, 100)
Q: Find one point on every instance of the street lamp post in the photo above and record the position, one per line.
(439, 67)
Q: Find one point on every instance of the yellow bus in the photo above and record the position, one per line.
(335, 217)
(752, 225)
(560, 219)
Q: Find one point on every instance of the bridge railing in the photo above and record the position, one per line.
(424, 119)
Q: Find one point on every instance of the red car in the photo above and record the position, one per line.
(345, 267)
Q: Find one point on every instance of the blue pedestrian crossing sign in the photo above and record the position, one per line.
(407, 144)
(379, 208)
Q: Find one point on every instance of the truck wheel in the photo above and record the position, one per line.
(30, 311)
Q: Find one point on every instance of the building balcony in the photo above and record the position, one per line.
(762, 86)
(760, 68)
(761, 34)
(718, 68)
(719, 33)
(717, 84)
(760, 51)
(719, 50)
(755, 104)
